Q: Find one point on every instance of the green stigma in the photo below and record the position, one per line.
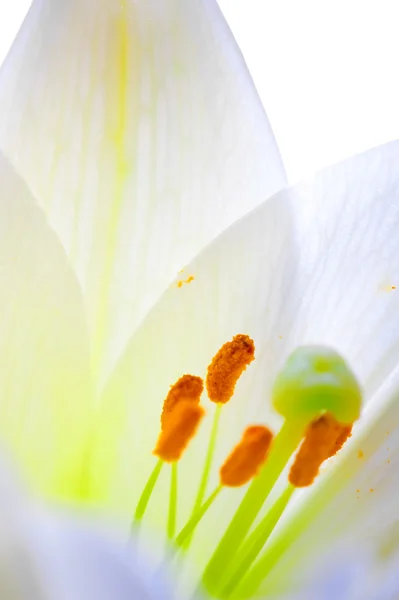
(313, 380)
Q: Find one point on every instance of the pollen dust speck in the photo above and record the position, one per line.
(182, 282)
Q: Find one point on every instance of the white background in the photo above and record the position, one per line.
(327, 71)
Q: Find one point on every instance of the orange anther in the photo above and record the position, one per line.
(324, 437)
(227, 366)
(186, 389)
(181, 426)
(346, 432)
(247, 457)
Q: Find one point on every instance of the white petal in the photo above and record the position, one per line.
(45, 390)
(314, 264)
(138, 127)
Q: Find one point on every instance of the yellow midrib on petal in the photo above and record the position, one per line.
(119, 137)
(74, 251)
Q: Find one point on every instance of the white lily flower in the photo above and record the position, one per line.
(137, 128)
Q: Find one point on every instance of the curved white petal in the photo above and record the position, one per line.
(138, 127)
(45, 390)
(314, 264)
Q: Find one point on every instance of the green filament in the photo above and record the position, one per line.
(285, 442)
(192, 523)
(255, 543)
(172, 515)
(207, 468)
(147, 491)
(271, 555)
(209, 458)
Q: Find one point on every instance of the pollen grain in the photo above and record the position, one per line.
(227, 366)
(247, 457)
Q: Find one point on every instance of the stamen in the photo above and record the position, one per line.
(324, 437)
(284, 444)
(182, 424)
(181, 415)
(227, 366)
(240, 467)
(247, 457)
(188, 389)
